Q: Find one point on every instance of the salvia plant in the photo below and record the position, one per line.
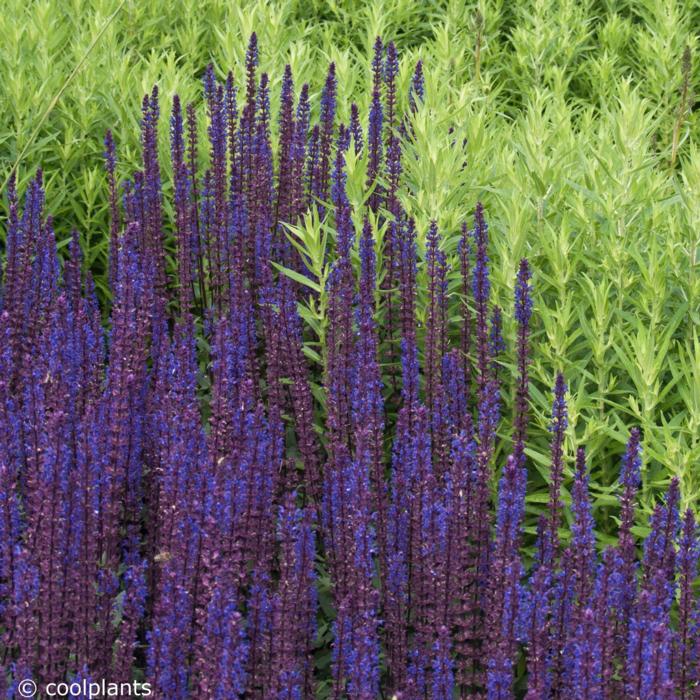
(279, 464)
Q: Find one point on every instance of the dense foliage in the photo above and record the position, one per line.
(570, 110)
(273, 475)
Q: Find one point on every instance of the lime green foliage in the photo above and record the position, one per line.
(572, 120)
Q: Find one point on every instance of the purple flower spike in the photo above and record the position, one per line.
(417, 92)
(393, 142)
(111, 167)
(649, 650)
(223, 675)
(685, 669)
(496, 343)
(285, 206)
(607, 605)
(582, 550)
(465, 336)
(659, 562)
(505, 575)
(407, 295)
(321, 174)
(481, 292)
(535, 622)
(436, 339)
(294, 603)
(374, 131)
(560, 422)
(586, 671)
(523, 313)
(348, 518)
(356, 128)
(186, 244)
(368, 403)
(442, 687)
(630, 478)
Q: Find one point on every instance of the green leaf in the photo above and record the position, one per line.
(298, 277)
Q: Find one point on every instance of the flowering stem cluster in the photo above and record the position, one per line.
(185, 495)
